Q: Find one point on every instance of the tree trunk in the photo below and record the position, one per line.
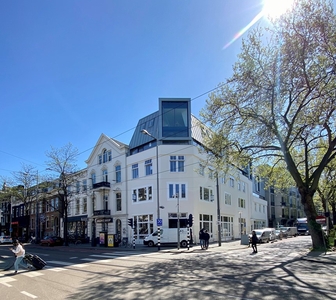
(315, 229)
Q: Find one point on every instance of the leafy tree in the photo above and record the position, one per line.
(327, 191)
(279, 105)
(21, 188)
(62, 161)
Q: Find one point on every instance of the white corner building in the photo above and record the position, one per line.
(160, 175)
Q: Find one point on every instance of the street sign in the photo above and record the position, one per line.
(158, 222)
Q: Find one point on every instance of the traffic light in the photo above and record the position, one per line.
(130, 222)
(191, 220)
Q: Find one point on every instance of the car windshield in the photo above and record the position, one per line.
(258, 232)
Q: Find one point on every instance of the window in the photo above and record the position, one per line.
(177, 163)
(77, 187)
(142, 194)
(144, 225)
(210, 174)
(93, 177)
(118, 201)
(206, 222)
(104, 156)
(175, 121)
(201, 169)
(206, 194)
(241, 203)
(238, 186)
(118, 173)
(100, 159)
(77, 206)
(106, 202)
(84, 185)
(84, 205)
(148, 167)
(135, 171)
(227, 199)
(231, 182)
(105, 175)
(257, 184)
(177, 190)
(243, 185)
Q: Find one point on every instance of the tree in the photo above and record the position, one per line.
(21, 188)
(62, 161)
(327, 191)
(279, 105)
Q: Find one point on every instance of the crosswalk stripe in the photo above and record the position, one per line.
(32, 274)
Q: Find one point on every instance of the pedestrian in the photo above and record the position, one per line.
(201, 237)
(19, 254)
(206, 239)
(254, 241)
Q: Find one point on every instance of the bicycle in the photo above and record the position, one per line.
(126, 244)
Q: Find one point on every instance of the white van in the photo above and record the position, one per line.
(167, 236)
(290, 231)
(265, 235)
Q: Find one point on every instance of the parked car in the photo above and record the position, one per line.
(5, 239)
(265, 235)
(283, 234)
(291, 231)
(52, 241)
(78, 239)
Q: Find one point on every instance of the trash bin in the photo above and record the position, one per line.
(244, 239)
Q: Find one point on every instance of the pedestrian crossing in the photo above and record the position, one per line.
(133, 258)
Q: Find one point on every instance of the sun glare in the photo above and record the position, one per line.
(275, 8)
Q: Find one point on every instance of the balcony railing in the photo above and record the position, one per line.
(103, 184)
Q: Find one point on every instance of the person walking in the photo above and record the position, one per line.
(201, 238)
(254, 241)
(19, 253)
(206, 239)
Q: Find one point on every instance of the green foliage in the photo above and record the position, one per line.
(278, 108)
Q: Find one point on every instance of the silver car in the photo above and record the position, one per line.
(5, 239)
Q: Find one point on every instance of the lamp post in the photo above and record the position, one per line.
(177, 195)
(240, 231)
(218, 213)
(144, 131)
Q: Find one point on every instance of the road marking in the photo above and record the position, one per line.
(56, 269)
(5, 280)
(29, 295)
(56, 262)
(32, 274)
(63, 263)
(74, 257)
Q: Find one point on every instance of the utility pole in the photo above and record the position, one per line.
(36, 209)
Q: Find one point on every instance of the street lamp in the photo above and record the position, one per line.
(240, 231)
(144, 131)
(36, 212)
(218, 213)
(177, 195)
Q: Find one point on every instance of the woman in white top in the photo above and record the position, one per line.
(19, 253)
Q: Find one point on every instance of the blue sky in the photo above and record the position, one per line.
(71, 70)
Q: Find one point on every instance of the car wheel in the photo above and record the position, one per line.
(150, 244)
(184, 244)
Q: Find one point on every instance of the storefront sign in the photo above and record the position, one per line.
(104, 220)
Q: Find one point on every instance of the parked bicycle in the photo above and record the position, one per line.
(125, 243)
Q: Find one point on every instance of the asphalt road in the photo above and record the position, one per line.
(281, 270)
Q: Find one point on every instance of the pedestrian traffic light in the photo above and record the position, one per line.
(191, 220)
(130, 222)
